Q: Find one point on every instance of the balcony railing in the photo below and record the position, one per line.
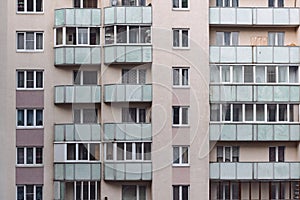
(255, 171)
(131, 53)
(127, 132)
(128, 15)
(77, 94)
(77, 171)
(77, 17)
(254, 54)
(77, 132)
(254, 16)
(127, 171)
(77, 55)
(254, 93)
(128, 93)
(254, 132)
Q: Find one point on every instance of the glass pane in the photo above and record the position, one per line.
(176, 193)
(20, 80)
(185, 38)
(77, 116)
(134, 34)
(20, 193)
(235, 38)
(225, 74)
(185, 116)
(109, 151)
(29, 118)
(39, 155)
(235, 191)
(132, 115)
(227, 154)
(109, 35)
(94, 152)
(71, 36)
(219, 153)
(142, 76)
(128, 151)
(121, 34)
(185, 192)
(129, 192)
(237, 74)
(83, 151)
(214, 112)
(120, 151)
(94, 36)
(175, 38)
(39, 41)
(20, 156)
(29, 156)
(78, 191)
(90, 78)
(185, 155)
(175, 3)
(280, 3)
(29, 5)
(260, 112)
(71, 151)
(20, 44)
(29, 192)
(142, 193)
(20, 117)
(39, 193)
(271, 113)
(76, 3)
(147, 151)
(283, 112)
(145, 35)
(248, 112)
(21, 5)
(294, 113)
(219, 38)
(82, 36)
(271, 74)
(93, 190)
(235, 3)
(281, 153)
(237, 112)
(260, 74)
(76, 77)
(142, 115)
(85, 190)
(271, 3)
(59, 36)
(39, 80)
(184, 3)
(226, 112)
(282, 74)
(185, 76)
(280, 36)
(215, 74)
(39, 6)
(272, 154)
(39, 118)
(90, 116)
(138, 147)
(293, 74)
(176, 155)
(175, 115)
(29, 79)
(30, 40)
(271, 37)
(235, 154)
(248, 74)
(175, 76)
(227, 38)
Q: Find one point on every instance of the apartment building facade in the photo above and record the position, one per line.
(254, 99)
(104, 99)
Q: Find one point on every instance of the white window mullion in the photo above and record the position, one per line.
(266, 74)
(25, 10)
(180, 38)
(124, 151)
(34, 41)
(231, 74)
(25, 155)
(88, 36)
(127, 34)
(64, 36)
(34, 192)
(34, 79)
(96, 192)
(254, 112)
(34, 5)
(114, 151)
(89, 189)
(133, 151)
(265, 112)
(74, 188)
(288, 112)
(81, 3)
(277, 113)
(25, 117)
(137, 115)
(143, 151)
(34, 117)
(81, 188)
(77, 36)
(25, 78)
(276, 74)
(77, 151)
(231, 112)
(243, 113)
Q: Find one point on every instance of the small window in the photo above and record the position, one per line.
(271, 74)
(227, 3)
(29, 118)
(294, 112)
(276, 3)
(215, 112)
(276, 38)
(30, 80)
(249, 112)
(237, 113)
(276, 154)
(293, 74)
(29, 155)
(30, 6)
(180, 115)
(282, 74)
(134, 115)
(225, 70)
(29, 192)
(133, 192)
(85, 116)
(227, 38)
(85, 3)
(180, 156)
(180, 192)
(181, 4)
(134, 76)
(180, 76)
(30, 41)
(271, 109)
(181, 38)
(228, 153)
(248, 74)
(260, 112)
(226, 112)
(83, 151)
(85, 77)
(238, 74)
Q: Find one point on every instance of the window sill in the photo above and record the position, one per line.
(29, 13)
(30, 51)
(29, 165)
(181, 48)
(180, 126)
(30, 89)
(30, 127)
(181, 9)
(181, 87)
(180, 165)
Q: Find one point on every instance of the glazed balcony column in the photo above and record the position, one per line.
(66, 94)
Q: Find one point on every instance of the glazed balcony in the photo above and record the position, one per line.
(128, 93)
(127, 132)
(255, 171)
(77, 132)
(255, 54)
(245, 16)
(77, 94)
(128, 15)
(128, 171)
(254, 132)
(77, 171)
(77, 17)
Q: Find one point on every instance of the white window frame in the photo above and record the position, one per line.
(81, 4)
(277, 153)
(34, 41)
(25, 118)
(137, 191)
(82, 77)
(89, 188)
(34, 80)
(181, 38)
(180, 5)
(25, 157)
(276, 38)
(180, 116)
(34, 190)
(222, 34)
(180, 85)
(137, 76)
(30, 12)
(180, 191)
(81, 114)
(133, 150)
(77, 152)
(137, 110)
(181, 164)
(231, 153)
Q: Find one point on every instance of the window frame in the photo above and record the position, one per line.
(81, 113)
(30, 12)
(137, 113)
(277, 151)
(137, 190)
(180, 5)
(180, 38)
(34, 164)
(34, 41)
(77, 152)
(222, 35)
(180, 151)
(125, 72)
(24, 186)
(34, 80)
(81, 77)
(180, 77)
(25, 126)
(180, 191)
(231, 155)
(180, 116)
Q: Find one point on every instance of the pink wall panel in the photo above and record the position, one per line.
(30, 99)
(30, 137)
(29, 175)
(181, 176)
(181, 96)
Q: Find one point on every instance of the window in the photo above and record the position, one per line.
(29, 118)
(276, 38)
(180, 76)
(228, 153)
(85, 77)
(227, 3)
(134, 76)
(276, 154)
(277, 190)
(226, 112)
(181, 4)
(180, 115)
(133, 2)
(29, 192)
(85, 116)
(30, 6)
(180, 192)
(181, 38)
(227, 38)
(29, 155)
(30, 41)
(134, 115)
(83, 151)
(128, 151)
(228, 191)
(180, 156)
(276, 3)
(127, 34)
(85, 3)
(215, 112)
(30, 79)
(136, 192)
(87, 190)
